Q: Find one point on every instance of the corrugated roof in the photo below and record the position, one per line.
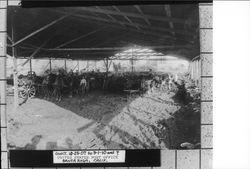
(97, 32)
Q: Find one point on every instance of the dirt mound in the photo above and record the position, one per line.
(98, 120)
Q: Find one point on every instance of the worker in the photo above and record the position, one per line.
(83, 85)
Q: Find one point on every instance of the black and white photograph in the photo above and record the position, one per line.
(103, 77)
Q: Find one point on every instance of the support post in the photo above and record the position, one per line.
(65, 65)
(30, 65)
(132, 61)
(87, 65)
(195, 72)
(106, 64)
(50, 67)
(199, 71)
(15, 79)
(15, 68)
(132, 64)
(109, 64)
(95, 64)
(192, 68)
(78, 67)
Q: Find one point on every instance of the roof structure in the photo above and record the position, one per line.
(98, 32)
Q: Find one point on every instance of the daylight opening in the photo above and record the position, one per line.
(141, 59)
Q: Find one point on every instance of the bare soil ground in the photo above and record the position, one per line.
(96, 121)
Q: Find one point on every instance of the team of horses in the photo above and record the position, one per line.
(56, 85)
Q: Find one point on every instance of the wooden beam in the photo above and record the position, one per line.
(144, 17)
(80, 37)
(41, 29)
(10, 38)
(196, 57)
(152, 59)
(153, 28)
(36, 51)
(33, 46)
(26, 48)
(113, 48)
(153, 17)
(126, 17)
(111, 17)
(125, 23)
(154, 31)
(105, 52)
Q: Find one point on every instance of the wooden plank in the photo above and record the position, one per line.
(50, 66)
(65, 65)
(30, 65)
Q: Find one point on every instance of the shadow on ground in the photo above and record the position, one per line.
(118, 122)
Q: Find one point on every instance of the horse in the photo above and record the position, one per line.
(47, 84)
(147, 85)
(84, 86)
(170, 82)
(74, 84)
(157, 80)
(58, 87)
(163, 83)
